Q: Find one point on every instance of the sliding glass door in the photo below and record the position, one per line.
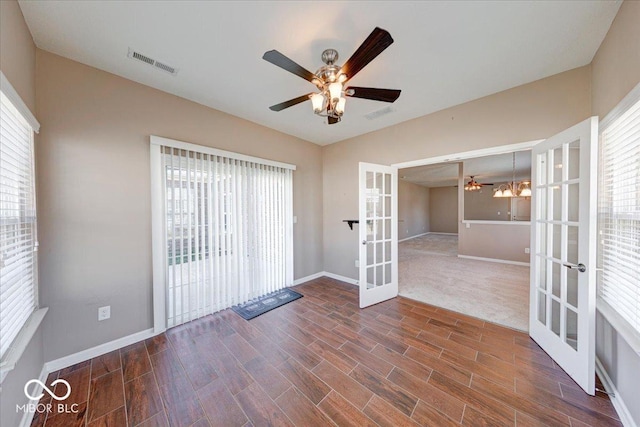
(225, 232)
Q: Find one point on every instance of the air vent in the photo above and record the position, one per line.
(147, 60)
(375, 114)
(165, 67)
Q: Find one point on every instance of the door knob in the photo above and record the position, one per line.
(580, 267)
(364, 242)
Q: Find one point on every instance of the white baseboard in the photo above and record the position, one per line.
(499, 261)
(444, 234)
(325, 274)
(614, 396)
(413, 237)
(341, 278)
(308, 278)
(27, 417)
(98, 350)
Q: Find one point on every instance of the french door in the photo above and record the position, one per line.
(378, 218)
(563, 256)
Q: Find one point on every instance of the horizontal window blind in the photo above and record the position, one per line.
(228, 232)
(18, 297)
(619, 215)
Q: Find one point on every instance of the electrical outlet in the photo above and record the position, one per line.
(526, 250)
(357, 263)
(104, 313)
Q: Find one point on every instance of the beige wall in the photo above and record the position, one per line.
(616, 70)
(443, 209)
(481, 205)
(413, 209)
(504, 241)
(17, 52)
(525, 113)
(616, 65)
(18, 63)
(94, 194)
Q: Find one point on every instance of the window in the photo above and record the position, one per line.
(18, 242)
(619, 210)
(223, 230)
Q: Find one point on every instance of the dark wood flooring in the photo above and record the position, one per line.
(321, 361)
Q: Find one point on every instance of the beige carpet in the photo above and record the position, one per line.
(430, 271)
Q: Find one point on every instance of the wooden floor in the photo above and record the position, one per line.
(321, 360)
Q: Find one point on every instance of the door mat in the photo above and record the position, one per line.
(261, 305)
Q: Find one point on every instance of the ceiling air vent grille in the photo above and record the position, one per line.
(147, 60)
(375, 114)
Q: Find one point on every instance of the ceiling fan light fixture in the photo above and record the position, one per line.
(335, 91)
(330, 79)
(317, 102)
(340, 106)
(498, 193)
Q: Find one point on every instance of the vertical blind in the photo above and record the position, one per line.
(619, 215)
(228, 232)
(18, 242)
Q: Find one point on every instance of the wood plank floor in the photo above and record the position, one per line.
(320, 360)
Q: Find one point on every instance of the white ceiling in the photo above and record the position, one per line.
(485, 170)
(445, 53)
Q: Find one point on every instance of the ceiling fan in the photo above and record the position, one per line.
(331, 78)
(473, 185)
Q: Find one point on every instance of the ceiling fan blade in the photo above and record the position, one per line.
(290, 103)
(373, 46)
(384, 95)
(332, 120)
(276, 58)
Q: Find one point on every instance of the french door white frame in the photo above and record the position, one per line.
(158, 215)
(550, 178)
(378, 233)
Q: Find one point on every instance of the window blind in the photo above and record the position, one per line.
(619, 215)
(18, 295)
(228, 231)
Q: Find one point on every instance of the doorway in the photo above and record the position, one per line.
(472, 254)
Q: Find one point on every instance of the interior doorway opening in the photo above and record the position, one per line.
(460, 247)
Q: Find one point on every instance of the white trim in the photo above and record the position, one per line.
(500, 149)
(627, 102)
(614, 396)
(98, 350)
(8, 91)
(413, 237)
(308, 278)
(21, 342)
(443, 233)
(481, 221)
(27, 417)
(499, 261)
(158, 241)
(621, 326)
(345, 279)
(158, 140)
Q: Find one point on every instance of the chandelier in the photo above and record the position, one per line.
(513, 188)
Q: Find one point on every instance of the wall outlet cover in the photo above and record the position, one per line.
(104, 313)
